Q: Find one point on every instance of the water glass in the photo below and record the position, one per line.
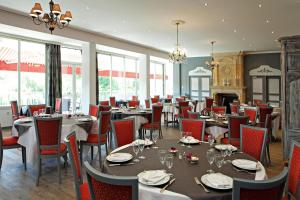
(147, 140)
(210, 155)
(162, 156)
(141, 147)
(169, 161)
(154, 139)
(219, 160)
(183, 136)
(135, 147)
(211, 140)
(189, 137)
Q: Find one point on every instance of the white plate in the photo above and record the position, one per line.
(131, 107)
(146, 142)
(225, 146)
(124, 157)
(204, 117)
(194, 141)
(246, 164)
(204, 180)
(165, 180)
(85, 119)
(210, 120)
(225, 122)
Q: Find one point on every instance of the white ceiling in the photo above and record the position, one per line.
(236, 25)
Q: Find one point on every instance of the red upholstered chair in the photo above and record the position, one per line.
(193, 115)
(169, 96)
(147, 103)
(251, 112)
(104, 103)
(219, 109)
(134, 98)
(48, 135)
(179, 99)
(94, 110)
(256, 102)
(104, 108)
(236, 102)
(154, 100)
(155, 123)
(133, 103)
(234, 108)
(263, 112)
(57, 105)
(263, 105)
(183, 97)
(253, 141)
(156, 97)
(98, 139)
(208, 103)
(180, 105)
(15, 110)
(10, 143)
(234, 123)
(35, 108)
(124, 131)
(272, 189)
(112, 101)
(195, 126)
(81, 188)
(110, 187)
(268, 125)
(185, 110)
(293, 184)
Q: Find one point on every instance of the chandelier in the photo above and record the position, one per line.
(212, 64)
(53, 19)
(178, 54)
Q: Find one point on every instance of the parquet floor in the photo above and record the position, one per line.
(15, 183)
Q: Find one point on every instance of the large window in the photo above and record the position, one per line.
(22, 72)
(117, 75)
(156, 79)
(71, 79)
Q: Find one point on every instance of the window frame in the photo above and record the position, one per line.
(164, 73)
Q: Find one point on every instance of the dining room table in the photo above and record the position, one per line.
(183, 172)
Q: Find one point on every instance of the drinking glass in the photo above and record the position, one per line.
(147, 140)
(141, 147)
(162, 156)
(211, 140)
(210, 155)
(189, 137)
(183, 136)
(169, 161)
(135, 147)
(219, 160)
(35, 113)
(154, 139)
(229, 153)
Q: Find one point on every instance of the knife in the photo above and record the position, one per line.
(164, 188)
(118, 164)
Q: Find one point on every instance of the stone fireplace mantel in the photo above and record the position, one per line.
(239, 91)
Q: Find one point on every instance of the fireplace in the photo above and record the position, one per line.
(224, 99)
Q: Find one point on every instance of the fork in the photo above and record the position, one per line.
(199, 183)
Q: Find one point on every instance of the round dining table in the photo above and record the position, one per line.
(184, 187)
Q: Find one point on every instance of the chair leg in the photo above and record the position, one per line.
(58, 169)
(160, 134)
(81, 152)
(39, 171)
(24, 157)
(100, 156)
(151, 132)
(92, 152)
(1, 158)
(268, 155)
(66, 160)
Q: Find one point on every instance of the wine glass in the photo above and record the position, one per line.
(229, 153)
(154, 139)
(219, 160)
(141, 147)
(147, 141)
(183, 137)
(210, 155)
(211, 140)
(169, 161)
(189, 138)
(162, 156)
(135, 147)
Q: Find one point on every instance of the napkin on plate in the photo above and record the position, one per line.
(246, 164)
(154, 176)
(192, 139)
(219, 180)
(119, 157)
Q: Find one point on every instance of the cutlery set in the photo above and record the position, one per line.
(198, 182)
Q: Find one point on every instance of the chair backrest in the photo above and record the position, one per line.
(234, 123)
(134, 98)
(104, 103)
(147, 103)
(234, 108)
(293, 185)
(169, 96)
(58, 105)
(209, 102)
(104, 108)
(14, 109)
(34, 108)
(236, 102)
(263, 105)
(182, 104)
(104, 123)
(219, 109)
(179, 99)
(124, 131)
(272, 189)
(195, 126)
(193, 115)
(156, 113)
(185, 110)
(156, 97)
(256, 102)
(253, 141)
(154, 100)
(112, 101)
(71, 142)
(251, 112)
(183, 97)
(133, 103)
(195, 104)
(48, 133)
(104, 187)
(263, 111)
(94, 110)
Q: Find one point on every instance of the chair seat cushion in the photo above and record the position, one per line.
(10, 141)
(234, 142)
(84, 191)
(150, 126)
(63, 148)
(93, 138)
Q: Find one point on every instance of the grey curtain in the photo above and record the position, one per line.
(53, 73)
(97, 82)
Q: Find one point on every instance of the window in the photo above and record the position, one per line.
(169, 79)
(71, 79)
(156, 79)
(117, 75)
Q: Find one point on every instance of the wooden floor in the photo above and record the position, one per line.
(15, 183)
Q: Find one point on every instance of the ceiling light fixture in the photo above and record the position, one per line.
(212, 63)
(178, 55)
(53, 19)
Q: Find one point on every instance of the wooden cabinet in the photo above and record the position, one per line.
(290, 66)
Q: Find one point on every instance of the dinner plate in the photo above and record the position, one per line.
(119, 157)
(164, 180)
(131, 107)
(210, 120)
(204, 117)
(246, 164)
(84, 119)
(208, 180)
(193, 141)
(25, 120)
(222, 147)
(146, 142)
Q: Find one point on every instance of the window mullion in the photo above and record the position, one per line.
(19, 72)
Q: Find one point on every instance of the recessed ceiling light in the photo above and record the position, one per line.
(259, 5)
(267, 21)
(87, 8)
(206, 4)
(273, 32)
(235, 30)
(223, 20)
(244, 39)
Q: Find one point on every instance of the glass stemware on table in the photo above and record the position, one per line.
(147, 140)
(211, 140)
(210, 155)
(141, 147)
(135, 147)
(155, 137)
(219, 160)
(169, 161)
(183, 136)
(162, 156)
(189, 138)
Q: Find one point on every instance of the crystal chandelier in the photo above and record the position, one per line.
(178, 54)
(212, 63)
(52, 19)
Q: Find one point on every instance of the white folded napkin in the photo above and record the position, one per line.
(226, 146)
(154, 176)
(190, 139)
(119, 157)
(246, 164)
(219, 180)
(210, 120)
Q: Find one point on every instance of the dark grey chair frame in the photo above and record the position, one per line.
(114, 130)
(43, 147)
(11, 147)
(238, 108)
(29, 108)
(229, 117)
(263, 148)
(238, 184)
(196, 113)
(111, 179)
(200, 120)
(16, 115)
(152, 120)
(77, 180)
